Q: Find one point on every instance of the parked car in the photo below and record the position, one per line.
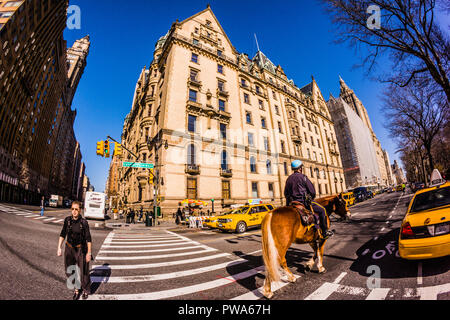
(241, 219)
(425, 231)
(361, 194)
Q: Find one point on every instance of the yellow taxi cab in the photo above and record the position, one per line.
(211, 222)
(349, 197)
(425, 231)
(243, 218)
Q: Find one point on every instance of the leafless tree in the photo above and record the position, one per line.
(408, 33)
(415, 117)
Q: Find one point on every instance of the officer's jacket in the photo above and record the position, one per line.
(298, 186)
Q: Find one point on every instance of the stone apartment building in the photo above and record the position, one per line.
(220, 125)
(35, 102)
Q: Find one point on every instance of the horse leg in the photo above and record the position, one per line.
(320, 254)
(267, 291)
(310, 263)
(283, 264)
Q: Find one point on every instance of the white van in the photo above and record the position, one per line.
(94, 205)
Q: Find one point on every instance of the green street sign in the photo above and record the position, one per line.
(138, 165)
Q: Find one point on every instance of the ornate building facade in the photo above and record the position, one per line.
(35, 105)
(219, 125)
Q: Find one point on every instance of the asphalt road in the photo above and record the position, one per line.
(189, 264)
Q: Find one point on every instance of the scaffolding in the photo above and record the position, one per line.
(356, 146)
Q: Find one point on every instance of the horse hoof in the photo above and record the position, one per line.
(308, 267)
(322, 271)
(293, 280)
(268, 295)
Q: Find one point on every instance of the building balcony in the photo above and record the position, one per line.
(192, 82)
(226, 173)
(192, 169)
(223, 93)
(244, 86)
(297, 138)
(147, 121)
(261, 94)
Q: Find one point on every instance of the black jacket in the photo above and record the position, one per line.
(77, 232)
(298, 186)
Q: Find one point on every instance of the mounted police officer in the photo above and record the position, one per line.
(299, 188)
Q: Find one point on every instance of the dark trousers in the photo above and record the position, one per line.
(75, 256)
(319, 210)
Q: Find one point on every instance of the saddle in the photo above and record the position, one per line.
(308, 217)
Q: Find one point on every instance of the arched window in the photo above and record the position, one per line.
(224, 160)
(252, 165)
(191, 155)
(269, 167)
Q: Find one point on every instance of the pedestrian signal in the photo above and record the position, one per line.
(118, 150)
(151, 175)
(100, 148)
(107, 150)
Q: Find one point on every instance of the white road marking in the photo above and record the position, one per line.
(341, 276)
(148, 251)
(326, 289)
(206, 250)
(181, 291)
(58, 221)
(142, 242)
(419, 274)
(166, 276)
(257, 293)
(431, 293)
(30, 216)
(39, 218)
(378, 294)
(150, 245)
(49, 219)
(162, 264)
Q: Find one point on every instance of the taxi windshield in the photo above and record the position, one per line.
(432, 199)
(240, 210)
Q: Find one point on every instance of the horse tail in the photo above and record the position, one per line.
(269, 250)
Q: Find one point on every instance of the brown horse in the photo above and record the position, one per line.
(282, 227)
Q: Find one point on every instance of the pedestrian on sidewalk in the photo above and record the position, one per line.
(78, 251)
(42, 206)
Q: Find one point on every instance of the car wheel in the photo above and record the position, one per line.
(241, 227)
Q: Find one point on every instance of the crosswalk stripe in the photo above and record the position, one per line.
(181, 291)
(150, 245)
(143, 242)
(149, 251)
(22, 214)
(257, 293)
(39, 218)
(162, 264)
(144, 239)
(49, 219)
(166, 276)
(378, 294)
(58, 221)
(206, 250)
(30, 216)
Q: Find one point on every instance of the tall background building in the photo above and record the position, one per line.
(363, 159)
(220, 125)
(37, 145)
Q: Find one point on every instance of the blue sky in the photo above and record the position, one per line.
(298, 35)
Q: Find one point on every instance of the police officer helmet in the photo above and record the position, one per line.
(296, 164)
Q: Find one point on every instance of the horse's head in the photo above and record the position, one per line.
(341, 207)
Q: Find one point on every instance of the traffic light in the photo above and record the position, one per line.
(100, 148)
(151, 175)
(107, 150)
(118, 150)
